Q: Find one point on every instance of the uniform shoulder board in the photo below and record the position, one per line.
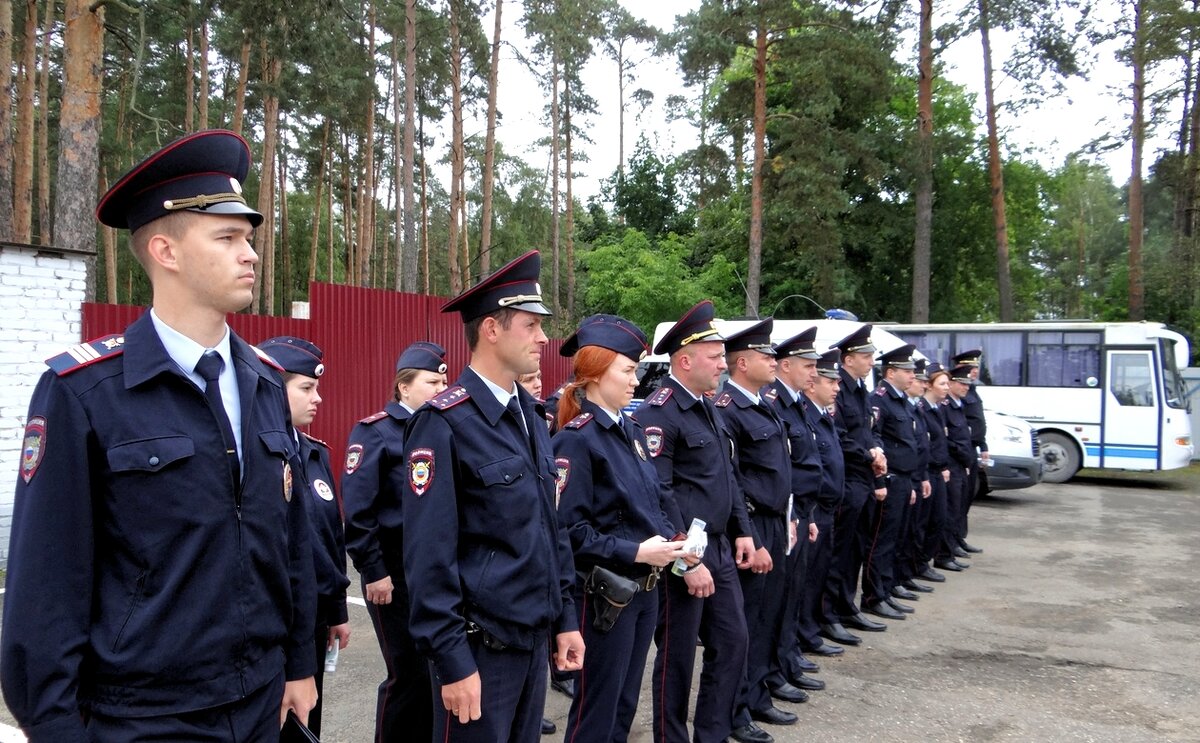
(771, 394)
(881, 391)
(85, 354)
(375, 417)
(659, 398)
(450, 398)
(264, 357)
(724, 400)
(580, 421)
(315, 440)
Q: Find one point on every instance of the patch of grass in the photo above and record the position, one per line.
(1185, 478)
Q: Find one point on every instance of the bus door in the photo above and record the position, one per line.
(1131, 433)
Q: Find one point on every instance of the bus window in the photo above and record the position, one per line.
(1057, 359)
(1172, 381)
(1132, 380)
(935, 346)
(1003, 356)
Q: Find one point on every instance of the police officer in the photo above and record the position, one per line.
(865, 465)
(973, 408)
(962, 464)
(912, 528)
(614, 507)
(481, 536)
(160, 581)
(896, 432)
(693, 452)
(763, 473)
(302, 363)
(937, 388)
(373, 484)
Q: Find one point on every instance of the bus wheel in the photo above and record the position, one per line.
(1060, 457)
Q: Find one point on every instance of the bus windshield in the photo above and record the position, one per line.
(1172, 380)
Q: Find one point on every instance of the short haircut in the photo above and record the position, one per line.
(503, 316)
(174, 225)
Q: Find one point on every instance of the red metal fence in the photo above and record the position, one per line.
(362, 332)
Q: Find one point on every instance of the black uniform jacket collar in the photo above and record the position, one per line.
(683, 397)
(891, 391)
(599, 415)
(849, 380)
(486, 400)
(739, 397)
(397, 411)
(784, 395)
(145, 357)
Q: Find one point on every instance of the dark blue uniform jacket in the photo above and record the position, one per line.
(761, 440)
(329, 541)
(973, 408)
(958, 434)
(922, 431)
(374, 514)
(610, 498)
(142, 580)
(852, 415)
(897, 430)
(833, 469)
(804, 457)
(481, 536)
(935, 424)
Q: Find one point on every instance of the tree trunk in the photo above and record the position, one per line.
(620, 109)
(23, 141)
(410, 249)
(366, 198)
(45, 218)
(424, 210)
(317, 203)
(555, 280)
(348, 212)
(754, 258)
(80, 118)
(996, 174)
(285, 248)
(456, 147)
(570, 205)
(202, 99)
(264, 300)
(489, 154)
(1137, 136)
(189, 75)
(6, 134)
(924, 197)
(239, 96)
(330, 250)
(1192, 188)
(399, 165)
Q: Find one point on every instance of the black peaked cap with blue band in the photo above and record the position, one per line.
(968, 358)
(900, 357)
(829, 363)
(295, 355)
(962, 373)
(423, 355)
(858, 341)
(757, 337)
(919, 366)
(801, 345)
(607, 331)
(202, 172)
(695, 326)
(514, 286)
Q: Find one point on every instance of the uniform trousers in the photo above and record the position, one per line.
(252, 719)
(403, 708)
(720, 623)
(879, 574)
(607, 688)
(513, 684)
(911, 527)
(763, 598)
(819, 556)
(935, 521)
(955, 492)
(320, 647)
(849, 547)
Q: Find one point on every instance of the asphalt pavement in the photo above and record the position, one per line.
(1079, 622)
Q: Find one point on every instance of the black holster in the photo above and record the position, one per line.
(615, 590)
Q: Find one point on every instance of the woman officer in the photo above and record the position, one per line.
(302, 365)
(612, 504)
(374, 539)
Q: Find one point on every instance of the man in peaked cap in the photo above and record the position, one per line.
(159, 499)
(374, 482)
(693, 451)
(973, 408)
(482, 538)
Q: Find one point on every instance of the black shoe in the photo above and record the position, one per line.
(838, 633)
(800, 681)
(789, 693)
(912, 585)
(960, 552)
(969, 548)
(826, 650)
(901, 592)
(951, 565)
(882, 609)
(773, 716)
(898, 606)
(859, 621)
(548, 728)
(564, 686)
(931, 575)
(751, 734)
(805, 665)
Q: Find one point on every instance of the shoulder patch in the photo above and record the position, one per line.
(659, 398)
(315, 440)
(375, 417)
(771, 394)
(580, 421)
(450, 398)
(724, 400)
(264, 357)
(85, 354)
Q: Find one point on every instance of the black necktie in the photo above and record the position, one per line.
(209, 367)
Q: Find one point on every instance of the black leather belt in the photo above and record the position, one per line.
(485, 638)
(648, 582)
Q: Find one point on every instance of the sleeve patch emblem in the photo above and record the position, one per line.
(420, 470)
(562, 465)
(33, 448)
(287, 481)
(637, 445)
(654, 440)
(353, 458)
(323, 490)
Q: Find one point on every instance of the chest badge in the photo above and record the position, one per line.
(353, 458)
(420, 470)
(654, 440)
(637, 446)
(287, 481)
(323, 490)
(33, 448)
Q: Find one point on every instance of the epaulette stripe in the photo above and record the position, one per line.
(315, 440)
(374, 417)
(724, 400)
(450, 398)
(658, 399)
(579, 421)
(265, 357)
(84, 354)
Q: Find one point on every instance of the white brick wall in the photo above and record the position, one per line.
(40, 314)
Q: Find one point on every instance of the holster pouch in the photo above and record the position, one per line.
(616, 590)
